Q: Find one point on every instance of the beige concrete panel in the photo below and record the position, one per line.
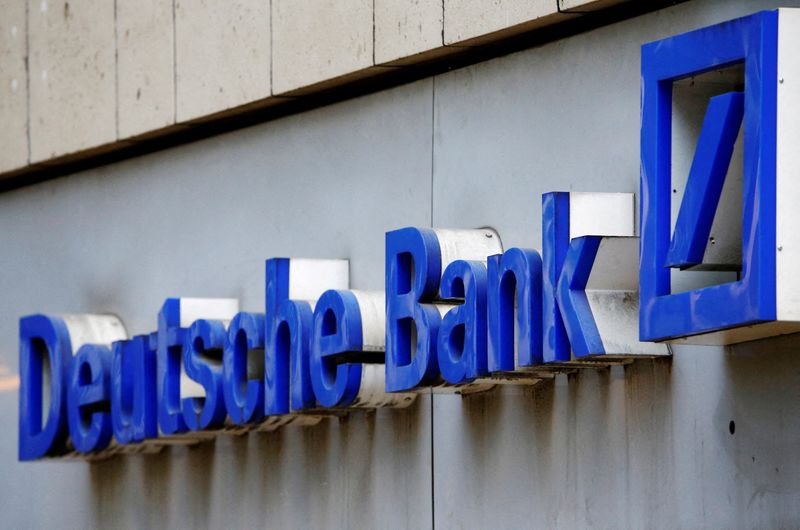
(317, 40)
(406, 27)
(145, 66)
(477, 19)
(222, 54)
(13, 86)
(72, 86)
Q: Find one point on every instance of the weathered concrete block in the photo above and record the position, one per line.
(223, 55)
(72, 88)
(406, 27)
(465, 20)
(318, 40)
(13, 86)
(145, 66)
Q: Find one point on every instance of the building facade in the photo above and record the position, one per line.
(273, 149)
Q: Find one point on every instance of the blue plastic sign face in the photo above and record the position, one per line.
(458, 312)
(751, 299)
(134, 404)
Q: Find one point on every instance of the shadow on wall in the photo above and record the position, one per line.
(761, 410)
(555, 448)
(647, 445)
(341, 473)
(705, 436)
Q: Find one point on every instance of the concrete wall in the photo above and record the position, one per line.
(102, 75)
(707, 439)
(14, 83)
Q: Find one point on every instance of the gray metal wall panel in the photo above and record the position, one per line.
(200, 220)
(644, 446)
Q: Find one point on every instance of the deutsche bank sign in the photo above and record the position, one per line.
(765, 299)
(459, 313)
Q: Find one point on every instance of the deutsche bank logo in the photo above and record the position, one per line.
(765, 298)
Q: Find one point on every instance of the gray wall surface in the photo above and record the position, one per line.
(642, 446)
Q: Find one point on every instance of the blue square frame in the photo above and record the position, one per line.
(752, 299)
